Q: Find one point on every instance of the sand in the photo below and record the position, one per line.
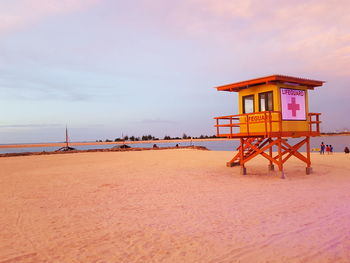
(172, 206)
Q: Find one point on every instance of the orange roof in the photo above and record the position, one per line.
(309, 83)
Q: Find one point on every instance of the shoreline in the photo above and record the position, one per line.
(2, 155)
(62, 144)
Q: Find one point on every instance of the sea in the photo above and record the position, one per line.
(338, 143)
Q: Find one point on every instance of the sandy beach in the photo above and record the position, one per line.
(172, 206)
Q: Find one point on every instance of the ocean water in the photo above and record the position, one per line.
(338, 143)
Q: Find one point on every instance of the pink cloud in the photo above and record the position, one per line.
(225, 8)
(8, 22)
(45, 7)
(15, 14)
(315, 33)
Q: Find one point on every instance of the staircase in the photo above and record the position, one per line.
(257, 142)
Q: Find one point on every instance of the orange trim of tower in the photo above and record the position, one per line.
(235, 87)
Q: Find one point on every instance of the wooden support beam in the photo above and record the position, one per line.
(242, 153)
(280, 162)
(262, 152)
(293, 150)
(308, 152)
(251, 147)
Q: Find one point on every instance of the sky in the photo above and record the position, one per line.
(107, 68)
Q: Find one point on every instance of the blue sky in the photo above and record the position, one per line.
(107, 68)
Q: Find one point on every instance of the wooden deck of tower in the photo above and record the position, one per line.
(271, 109)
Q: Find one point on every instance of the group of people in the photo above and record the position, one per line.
(327, 148)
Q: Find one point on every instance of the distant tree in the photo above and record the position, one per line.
(117, 139)
(126, 137)
(108, 140)
(167, 137)
(137, 138)
(132, 138)
(185, 136)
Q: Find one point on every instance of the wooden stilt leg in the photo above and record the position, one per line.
(280, 160)
(243, 169)
(271, 167)
(308, 165)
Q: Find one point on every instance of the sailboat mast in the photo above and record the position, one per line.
(66, 137)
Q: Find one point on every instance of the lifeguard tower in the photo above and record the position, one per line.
(271, 109)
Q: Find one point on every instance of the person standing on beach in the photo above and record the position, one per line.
(328, 149)
(322, 148)
(331, 149)
(346, 150)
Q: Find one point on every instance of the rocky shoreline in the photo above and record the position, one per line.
(100, 150)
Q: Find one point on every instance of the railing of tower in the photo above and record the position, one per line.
(314, 120)
(246, 122)
(262, 124)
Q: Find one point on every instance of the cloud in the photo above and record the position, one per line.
(22, 84)
(236, 8)
(157, 121)
(314, 35)
(15, 14)
(29, 125)
(315, 32)
(8, 22)
(28, 87)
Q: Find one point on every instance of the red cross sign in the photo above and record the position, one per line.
(293, 104)
(293, 107)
